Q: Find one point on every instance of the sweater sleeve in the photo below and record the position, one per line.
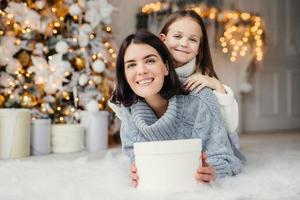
(210, 127)
(229, 109)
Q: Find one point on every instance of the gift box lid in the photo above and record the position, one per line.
(8, 111)
(168, 147)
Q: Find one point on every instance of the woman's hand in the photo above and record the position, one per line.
(205, 173)
(198, 81)
(134, 175)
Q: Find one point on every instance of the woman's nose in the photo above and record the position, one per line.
(142, 69)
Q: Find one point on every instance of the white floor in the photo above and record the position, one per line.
(272, 172)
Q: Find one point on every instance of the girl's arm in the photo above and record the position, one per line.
(229, 109)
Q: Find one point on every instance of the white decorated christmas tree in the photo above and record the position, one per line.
(56, 57)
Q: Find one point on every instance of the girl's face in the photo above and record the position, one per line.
(183, 39)
(144, 70)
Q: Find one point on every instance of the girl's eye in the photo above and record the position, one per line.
(177, 36)
(194, 40)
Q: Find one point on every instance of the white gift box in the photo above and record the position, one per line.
(67, 138)
(168, 165)
(96, 130)
(40, 137)
(14, 133)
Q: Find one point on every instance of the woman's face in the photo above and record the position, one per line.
(144, 70)
(183, 39)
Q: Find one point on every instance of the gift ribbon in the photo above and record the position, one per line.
(8, 134)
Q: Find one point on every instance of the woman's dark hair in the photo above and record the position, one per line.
(203, 58)
(123, 94)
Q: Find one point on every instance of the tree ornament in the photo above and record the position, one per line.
(2, 100)
(17, 28)
(62, 47)
(79, 63)
(38, 49)
(24, 58)
(83, 79)
(102, 103)
(30, 3)
(61, 9)
(40, 4)
(66, 95)
(75, 10)
(98, 66)
(28, 100)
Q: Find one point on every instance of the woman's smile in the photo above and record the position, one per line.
(145, 81)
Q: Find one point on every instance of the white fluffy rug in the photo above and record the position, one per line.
(272, 172)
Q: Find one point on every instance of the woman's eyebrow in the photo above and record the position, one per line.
(129, 61)
(147, 56)
(150, 55)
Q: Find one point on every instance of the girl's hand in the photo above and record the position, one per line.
(199, 81)
(134, 176)
(205, 173)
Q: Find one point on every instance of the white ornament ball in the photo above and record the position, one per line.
(40, 4)
(62, 47)
(92, 106)
(86, 28)
(74, 10)
(38, 50)
(96, 79)
(5, 79)
(82, 3)
(98, 66)
(83, 39)
(13, 66)
(83, 79)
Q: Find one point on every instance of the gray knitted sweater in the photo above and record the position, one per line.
(187, 116)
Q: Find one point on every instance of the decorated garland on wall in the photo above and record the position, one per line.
(236, 30)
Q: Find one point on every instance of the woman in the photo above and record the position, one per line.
(155, 107)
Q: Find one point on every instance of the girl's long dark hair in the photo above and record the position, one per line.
(123, 94)
(203, 58)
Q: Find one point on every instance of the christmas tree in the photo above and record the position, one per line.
(57, 57)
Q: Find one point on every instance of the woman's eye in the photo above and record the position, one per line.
(150, 61)
(130, 65)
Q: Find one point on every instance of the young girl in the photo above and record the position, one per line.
(155, 107)
(185, 36)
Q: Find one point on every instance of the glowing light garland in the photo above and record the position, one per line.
(239, 30)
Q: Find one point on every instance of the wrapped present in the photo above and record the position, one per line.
(14, 133)
(96, 130)
(168, 165)
(67, 138)
(40, 137)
